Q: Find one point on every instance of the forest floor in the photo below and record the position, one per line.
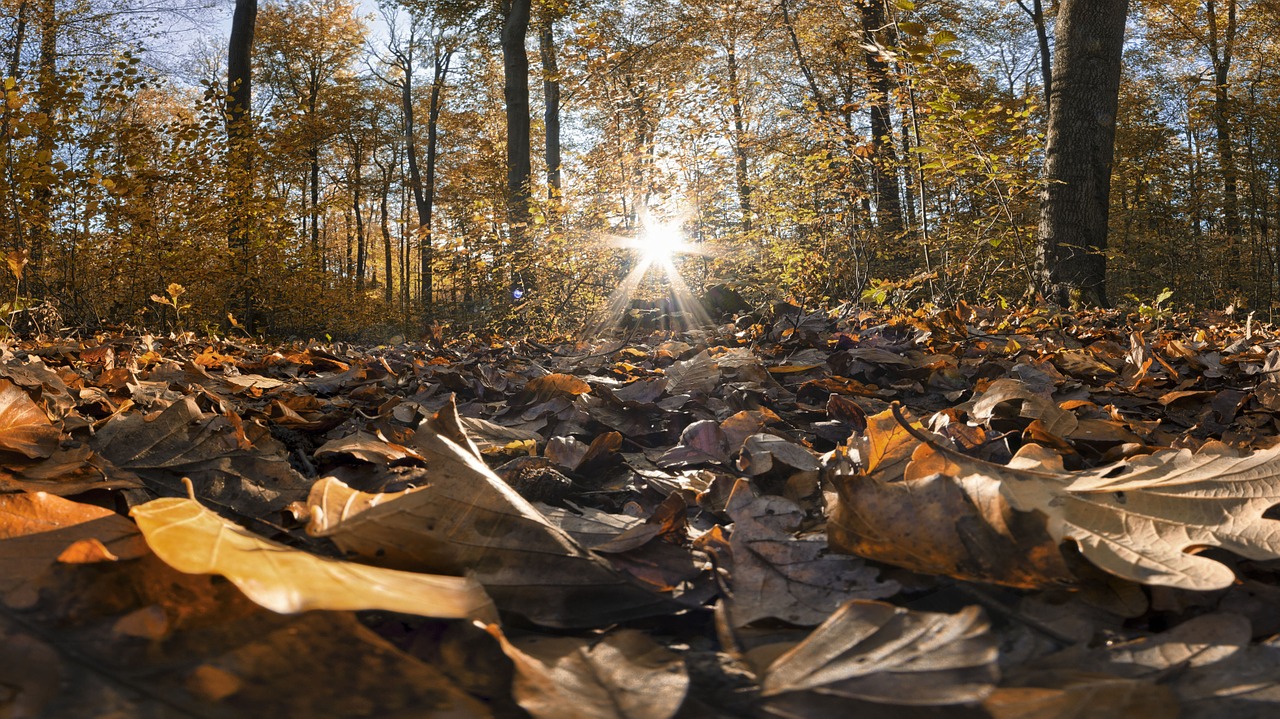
(971, 512)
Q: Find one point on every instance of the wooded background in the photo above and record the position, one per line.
(828, 150)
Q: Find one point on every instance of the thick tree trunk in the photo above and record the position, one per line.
(1071, 264)
(739, 140)
(515, 70)
(888, 193)
(551, 110)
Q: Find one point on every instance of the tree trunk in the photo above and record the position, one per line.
(551, 111)
(1036, 13)
(361, 249)
(739, 140)
(885, 160)
(239, 151)
(1221, 48)
(1071, 264)
(427, 208)
(384, 221)
(19, 35)
(48, 92)
(515, 70)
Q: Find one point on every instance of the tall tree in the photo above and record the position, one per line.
(1071, 264)
(240, 156)
(515, 72)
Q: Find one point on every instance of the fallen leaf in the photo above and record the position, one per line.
(24, 427)
(467, 519)
(1140, 518)
(876, 653)
(625, 675)
(182, 441)
(366, 447)
(194, 540)
(780, 575)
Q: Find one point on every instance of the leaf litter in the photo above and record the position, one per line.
(965, 512)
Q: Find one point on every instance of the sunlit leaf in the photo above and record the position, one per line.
(194, 540)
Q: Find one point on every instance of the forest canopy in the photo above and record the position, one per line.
(366, 171)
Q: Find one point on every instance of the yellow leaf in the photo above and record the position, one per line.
(194, 540)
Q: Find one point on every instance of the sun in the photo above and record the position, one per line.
(661, 242)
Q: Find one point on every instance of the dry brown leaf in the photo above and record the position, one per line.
(366, 447)
(549, 387)
(1140, 519)
(696, 374)
(467, 519)
(182, 441)
(871, 653)
(488, 435)
(928, 522)
(194, 540)
(780, 575)
(24, 427)
(625, 675)
(1031, 405)
(761, 451)
(1084, 695)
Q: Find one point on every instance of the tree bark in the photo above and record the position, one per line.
(384, 222)
(551, 110)
(19, 36)
(515, 70)
(1071, 264)
(885, 160)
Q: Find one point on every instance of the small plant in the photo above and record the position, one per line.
(175, 291)
(1157, 311)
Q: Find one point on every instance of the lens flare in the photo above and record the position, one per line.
(656, 249)
(661, 243)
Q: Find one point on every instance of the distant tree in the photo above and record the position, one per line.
(1071, 264)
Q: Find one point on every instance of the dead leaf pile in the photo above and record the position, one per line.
(968, 512)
